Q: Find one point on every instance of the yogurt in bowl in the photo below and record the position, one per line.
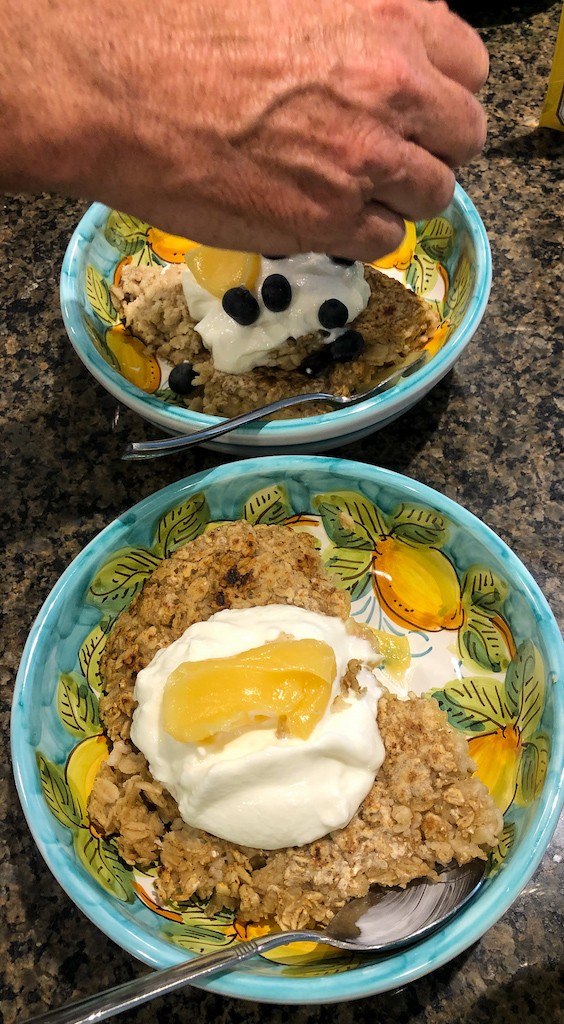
(369, 525)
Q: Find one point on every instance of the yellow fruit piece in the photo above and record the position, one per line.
(135, 364)
(418, 586)
(287, 683)
(394, 650)
(401, 257)
(83, 765)
(172, 248)
(217, 270)
(497, 757)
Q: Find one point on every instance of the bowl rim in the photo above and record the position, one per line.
(176, 418)
(370, 979)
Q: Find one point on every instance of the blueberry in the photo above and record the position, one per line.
(332, 313)
(342, 261)
(316, 362)
(346, 347)
(276, 293)
(180, 378)
(241, 306)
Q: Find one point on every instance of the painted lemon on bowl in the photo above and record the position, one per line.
(488, 653)
(135, 363)
(418, 586)
(170, 248)
(401, 257)
(398, 565)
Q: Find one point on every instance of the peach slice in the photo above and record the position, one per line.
(218, 270)
(286, 684)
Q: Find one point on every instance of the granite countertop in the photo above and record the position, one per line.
(488, 436)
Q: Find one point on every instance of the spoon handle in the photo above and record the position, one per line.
(159, 983)
(155, 449)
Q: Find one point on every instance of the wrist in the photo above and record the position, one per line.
(56, 117)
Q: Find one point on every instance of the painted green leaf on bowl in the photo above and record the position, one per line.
(91, 652)
(100, 859)
(98, 294)
(396, 561)
(58, 795)
(269, 507)
(121, 578)
(350, 520)
(437, 238)
(125, 233)
(506, 716)
(77, 705)
(181, 524)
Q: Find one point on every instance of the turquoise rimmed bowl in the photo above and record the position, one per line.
(58, 742)
(450, 267)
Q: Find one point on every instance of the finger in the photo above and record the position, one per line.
(374, 232)
(452, 45)
(444, 118)
(412, 183)
(401, 175)
(405, 92)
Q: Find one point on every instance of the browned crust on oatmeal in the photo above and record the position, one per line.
(425, 808)
(152, 305)
(234, 566)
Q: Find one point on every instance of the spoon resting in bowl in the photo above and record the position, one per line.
(156, 449)
(383, 920)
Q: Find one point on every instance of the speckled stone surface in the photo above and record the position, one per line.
(488, 436)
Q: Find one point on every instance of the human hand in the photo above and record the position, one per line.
(290, 128)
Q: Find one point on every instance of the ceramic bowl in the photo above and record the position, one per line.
(450, 266)
(501, 638)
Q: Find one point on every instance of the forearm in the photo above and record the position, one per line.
(47, 93)
(82, 83)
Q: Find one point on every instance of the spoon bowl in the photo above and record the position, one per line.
(383, 920)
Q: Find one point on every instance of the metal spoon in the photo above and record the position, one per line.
(385, 919)
(155, 449)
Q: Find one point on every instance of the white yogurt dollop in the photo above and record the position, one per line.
(314, 278)
(258, 789)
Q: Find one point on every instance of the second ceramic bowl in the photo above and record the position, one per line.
(492, 662)
(449, 266)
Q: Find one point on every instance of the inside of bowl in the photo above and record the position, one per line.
(500, 697)
(439, 263)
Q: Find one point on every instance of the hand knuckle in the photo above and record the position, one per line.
(401, 83)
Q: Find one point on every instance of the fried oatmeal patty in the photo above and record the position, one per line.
(235, 565)
(425, 807)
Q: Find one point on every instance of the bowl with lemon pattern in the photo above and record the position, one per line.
(462, 616)
(444, 260)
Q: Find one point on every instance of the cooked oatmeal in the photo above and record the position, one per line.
(153, 307)
(425, 808)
